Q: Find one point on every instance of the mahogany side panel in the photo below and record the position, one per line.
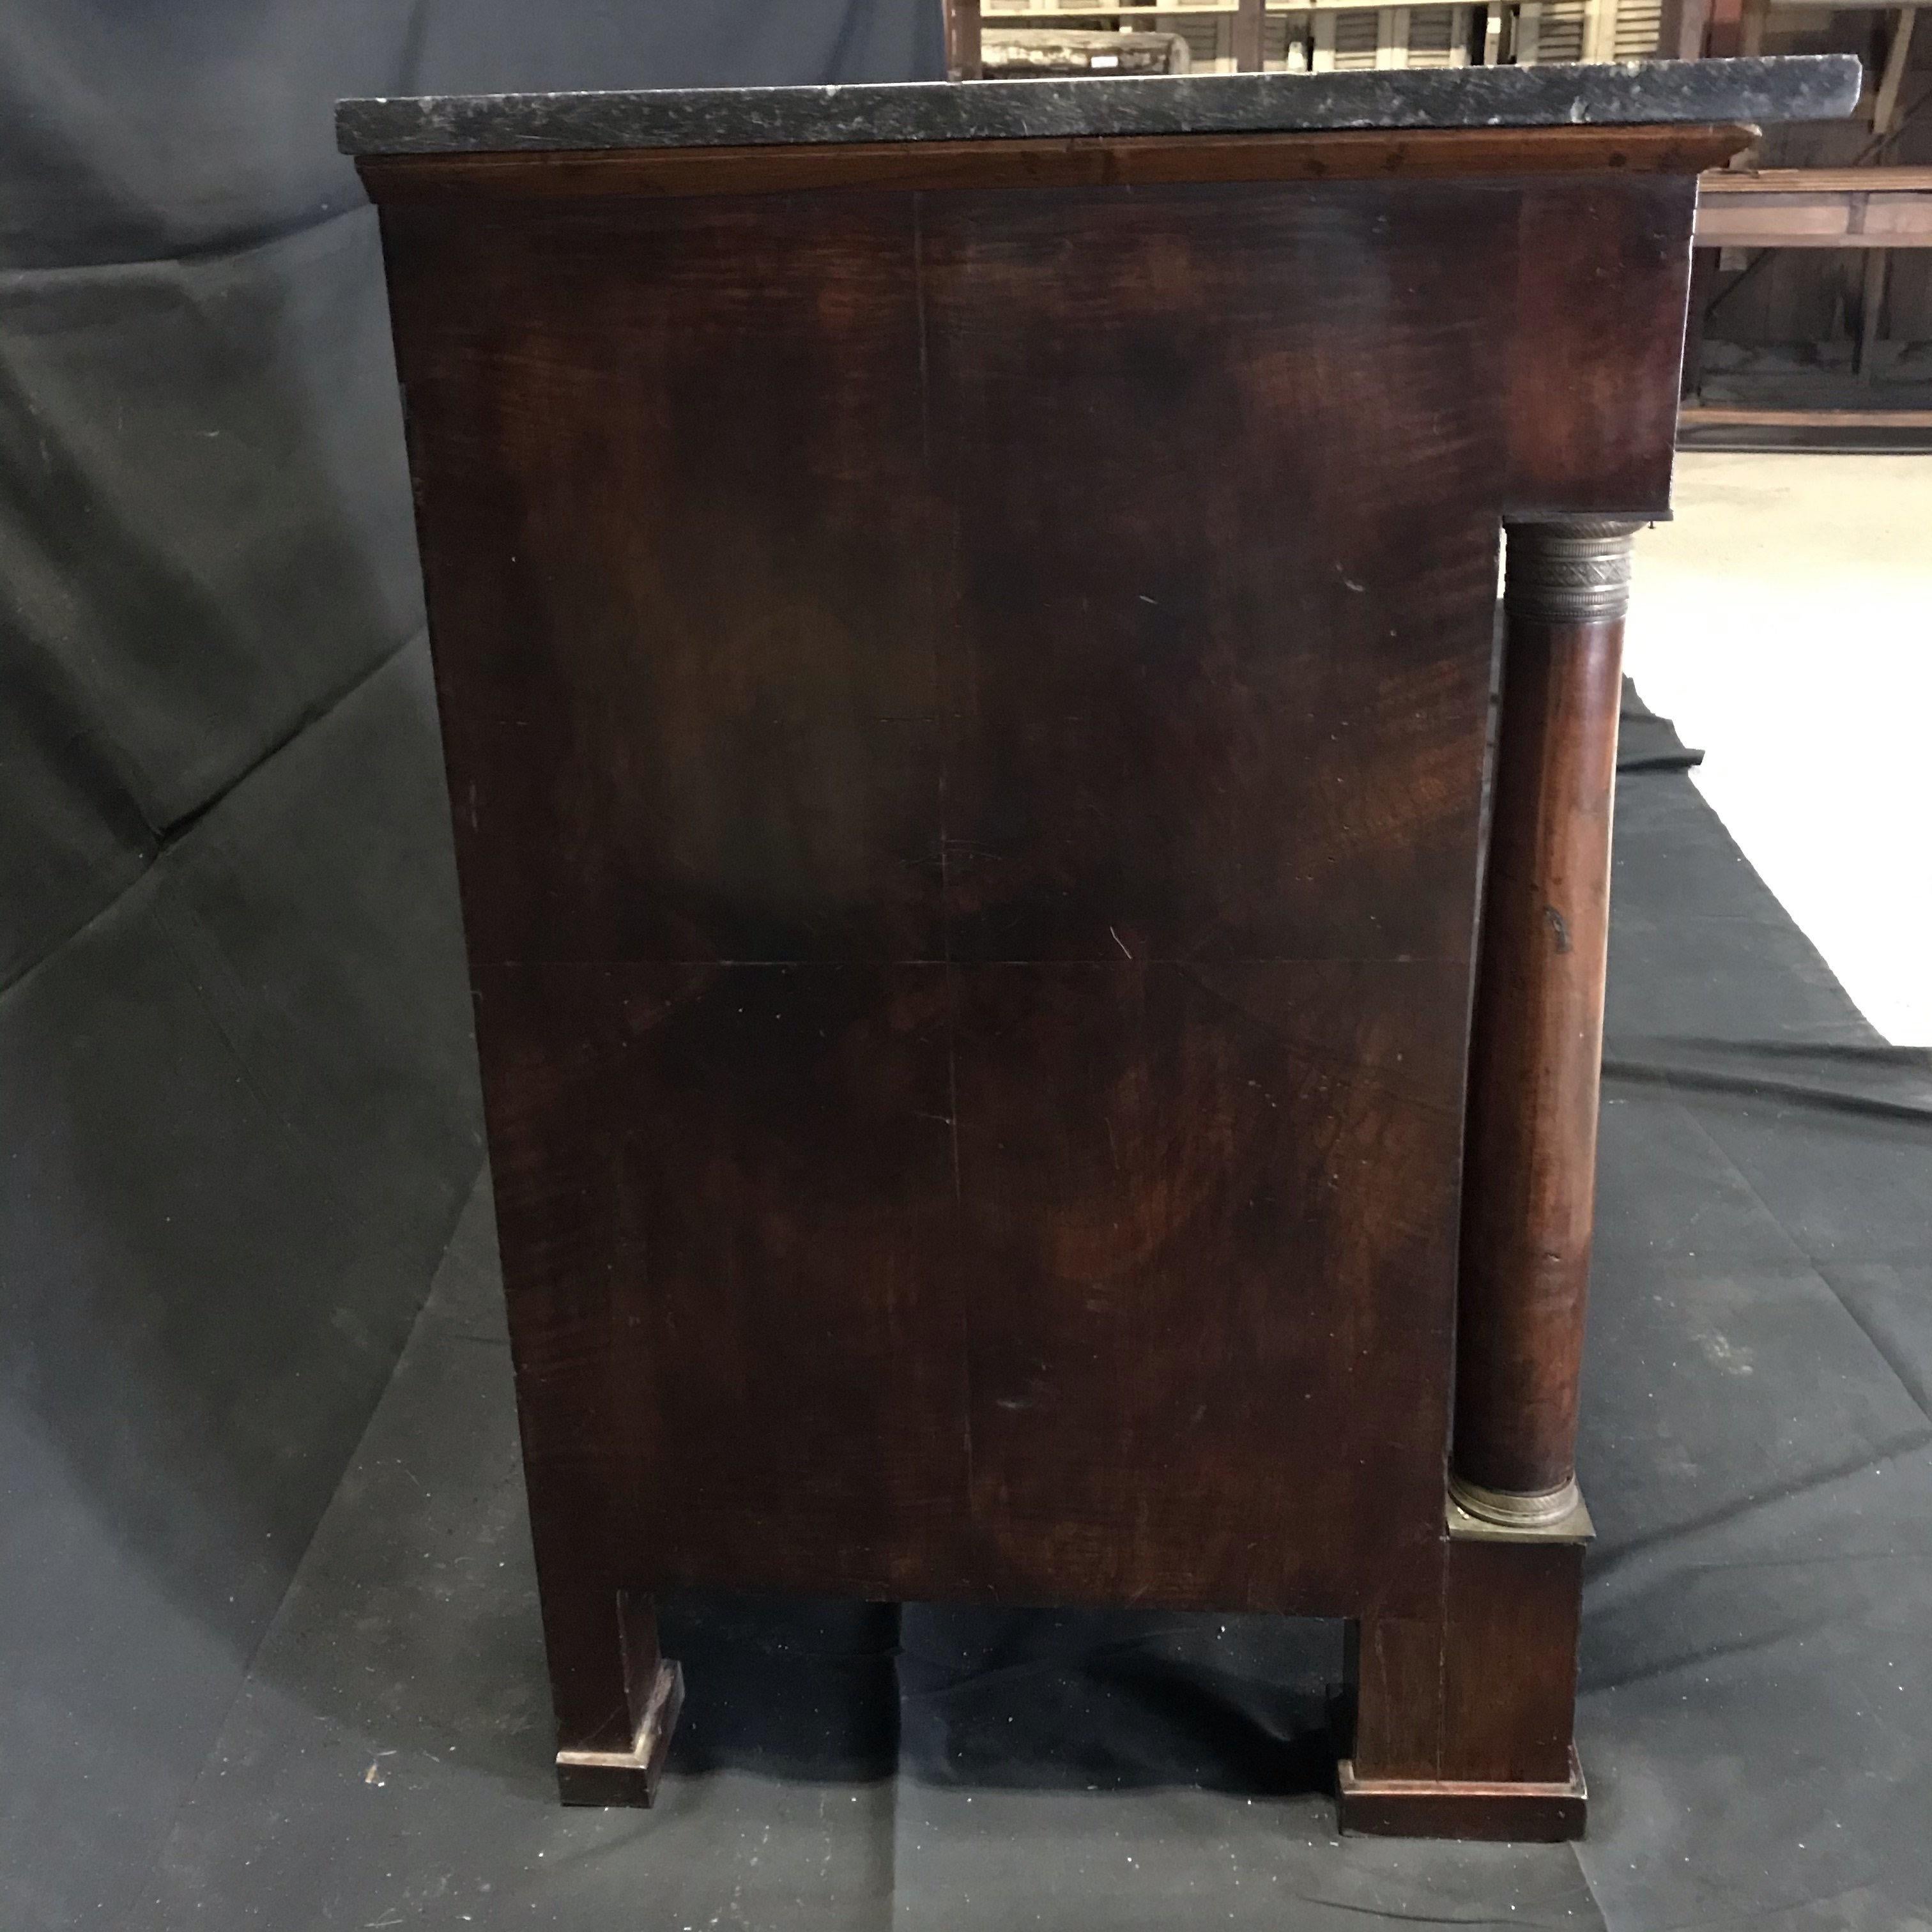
(682, 557)
(1203, 1321)
(1209, 859)
(729, 1222)
(1223, 472)
(1596, 343)
(933, 949)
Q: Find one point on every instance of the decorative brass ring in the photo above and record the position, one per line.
(1577, 572)
(1511, 1510)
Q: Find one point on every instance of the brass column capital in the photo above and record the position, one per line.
(1573, 570)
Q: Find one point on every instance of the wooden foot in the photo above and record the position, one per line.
(1457, 1724)
(627, 1776)
(617, 1698)
(1498, 1809)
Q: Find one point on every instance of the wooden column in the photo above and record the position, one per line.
(963, 58)
(1723, 28)
(1248, 36)
(1530, 1172)
(1682, 29)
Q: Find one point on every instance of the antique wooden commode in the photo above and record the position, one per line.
(965, 619)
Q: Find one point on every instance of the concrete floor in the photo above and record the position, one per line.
(1784, 623)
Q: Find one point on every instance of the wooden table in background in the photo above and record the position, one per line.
(1873, 209)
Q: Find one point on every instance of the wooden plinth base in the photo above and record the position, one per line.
(1406, 1807)
(630, 1777)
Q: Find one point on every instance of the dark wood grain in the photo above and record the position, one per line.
(1596, 342)
(728, 1215)
(1229, 710)
(1459, 1723)
(1114, 161)
(1169, 1173)
(1391, 1718)
(694, 556)
(1509, 1660)
(965, 700)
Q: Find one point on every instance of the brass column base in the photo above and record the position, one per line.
(1508, 1510)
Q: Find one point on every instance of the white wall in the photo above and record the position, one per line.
(1784, 623)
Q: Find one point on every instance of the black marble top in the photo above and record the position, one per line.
(1815, 87)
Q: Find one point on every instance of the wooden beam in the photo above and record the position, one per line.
(1802, 208)
(1885, 108)
(1248, 38)
(1684, 24)
(963, 58)
(1725, 28)
(1871, 304)
(1813, 181)
(1704, 417)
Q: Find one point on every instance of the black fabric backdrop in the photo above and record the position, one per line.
(241, 1113)
(269, 1648)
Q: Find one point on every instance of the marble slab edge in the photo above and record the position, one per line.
(1807, 87)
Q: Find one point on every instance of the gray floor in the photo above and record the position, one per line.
(1756, 1718)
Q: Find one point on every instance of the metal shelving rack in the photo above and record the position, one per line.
(1249, 36)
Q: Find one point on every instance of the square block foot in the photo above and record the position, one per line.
(627, 1777)
(1420, 1807)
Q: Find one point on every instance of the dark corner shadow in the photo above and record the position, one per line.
(834, 1693)
(1017, 1699)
